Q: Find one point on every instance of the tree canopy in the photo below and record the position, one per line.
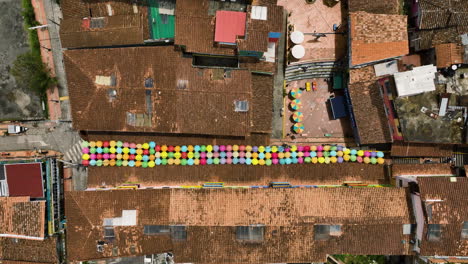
(29, 71)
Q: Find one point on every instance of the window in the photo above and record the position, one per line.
(109, 232)
(97, 22)
(106, 80)
(253, 233)
(429, 211)
(324, 232)
(241, 106)
(131, 119)
(156, 229)
(178, 232)
(149, 83)
(182, 84)
(464, 233)
(433, 232)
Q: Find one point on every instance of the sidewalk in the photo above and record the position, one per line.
(53, 98)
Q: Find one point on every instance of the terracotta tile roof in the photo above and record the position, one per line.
(442, 14)
(210, 217)
(401, 149)
(238, 175)
(83, 8)
(369, 113)
(364, 74)
(377, 37)
(441, 169)
(21, 218)
(450, 213)
(390, 7)
(195, 28)
(123, 27)
(427, 39)
(179, 89)
(448, 54)
(262, 99)
(257, 33)
(31, 251)
(118, 30)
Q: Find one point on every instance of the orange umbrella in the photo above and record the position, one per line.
(295, 104)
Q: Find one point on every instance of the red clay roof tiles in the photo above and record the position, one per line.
(390, 7)
(210, 217)
(448, 54)
(173, 105)
(376, 37)
(402, 149)
(369, 113)
(122, 27)
(450, 213)
(29, 250)
(21, 218)
(441, 169)
(238, 175)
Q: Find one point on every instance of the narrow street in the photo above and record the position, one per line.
(48, 13)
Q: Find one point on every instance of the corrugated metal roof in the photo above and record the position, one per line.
(229, 26)
(419, 80)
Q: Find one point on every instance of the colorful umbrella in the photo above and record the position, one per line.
(295, 104)
(298, 128)
(295, 93)
(297, 117)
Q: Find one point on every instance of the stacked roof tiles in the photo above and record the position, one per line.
(210, 218)
(122, 24)
(233, 175)
(440, 22)
(22, 231)
(21, 218)
(445, 201)
(371, 121)
(390, 7)
(401, 149)
(376, 37)
(179, 91)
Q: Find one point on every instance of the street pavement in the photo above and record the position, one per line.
(48, 12)
(49, 135)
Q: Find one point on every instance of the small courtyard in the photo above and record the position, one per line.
(316, 111)
(319, 17)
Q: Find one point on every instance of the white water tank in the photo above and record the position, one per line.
(298, 51)
(297, 37)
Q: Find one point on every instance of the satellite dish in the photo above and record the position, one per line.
(298, 51)
(454, 67)
(297, 37)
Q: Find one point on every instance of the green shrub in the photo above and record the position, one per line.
(29, 71)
